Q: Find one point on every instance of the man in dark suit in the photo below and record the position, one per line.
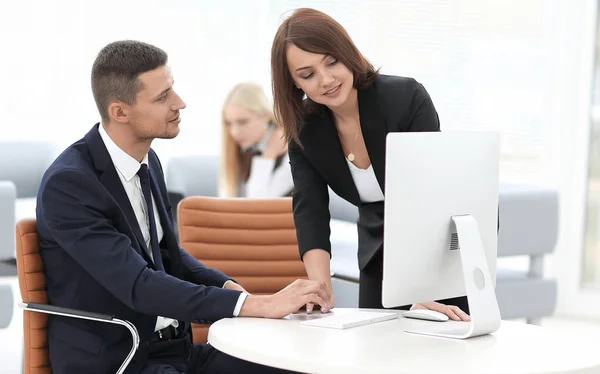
(108, 244)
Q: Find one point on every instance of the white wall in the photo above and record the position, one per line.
(46, 91)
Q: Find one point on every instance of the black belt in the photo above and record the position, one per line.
(167, 333)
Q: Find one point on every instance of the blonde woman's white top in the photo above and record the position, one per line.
(266, 180)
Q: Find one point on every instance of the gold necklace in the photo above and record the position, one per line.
(350, 156)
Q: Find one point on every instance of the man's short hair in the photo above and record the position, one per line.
(116, 69)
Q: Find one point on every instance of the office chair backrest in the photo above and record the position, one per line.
(251, 240)
(34, 158)
(195, 175)
(32, 283)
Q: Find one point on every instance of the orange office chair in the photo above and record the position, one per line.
(251, 240)
(32, 283)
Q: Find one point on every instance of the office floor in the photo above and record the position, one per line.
(11, 338)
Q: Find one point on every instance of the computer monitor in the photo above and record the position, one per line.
(440, 225)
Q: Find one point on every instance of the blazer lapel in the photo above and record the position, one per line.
(374, 131)
(323, 137)
(323, 134)
(111, 181)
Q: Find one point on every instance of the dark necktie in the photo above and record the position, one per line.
(145, 182)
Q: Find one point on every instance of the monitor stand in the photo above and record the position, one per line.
(483, 306)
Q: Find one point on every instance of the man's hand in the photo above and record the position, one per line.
(288, 300)
(451, 311)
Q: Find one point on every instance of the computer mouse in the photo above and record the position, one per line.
(426, 314)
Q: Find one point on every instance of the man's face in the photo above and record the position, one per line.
(156, 110)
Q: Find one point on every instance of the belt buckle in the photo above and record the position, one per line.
(167, 333)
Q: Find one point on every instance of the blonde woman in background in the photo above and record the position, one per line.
(254, 160)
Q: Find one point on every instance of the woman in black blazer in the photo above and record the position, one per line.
(336, 110)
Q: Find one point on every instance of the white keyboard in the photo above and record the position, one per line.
(348, 320)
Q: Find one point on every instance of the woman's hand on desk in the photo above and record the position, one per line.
(454, 312)
(330, 303)
(288, 300)
(317, 266)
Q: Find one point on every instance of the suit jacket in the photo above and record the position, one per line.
(95, 260)
(390, 104)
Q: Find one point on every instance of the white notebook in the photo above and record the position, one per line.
(348, 320)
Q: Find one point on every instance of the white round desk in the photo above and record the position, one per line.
(384, 347)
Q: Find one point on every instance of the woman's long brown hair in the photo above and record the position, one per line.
(316, 32)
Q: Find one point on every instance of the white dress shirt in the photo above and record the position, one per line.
(127, 168)
(263, 181)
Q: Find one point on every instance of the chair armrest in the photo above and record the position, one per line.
(344, 277)
(344, 244)
(74, 313)
(66, 312)
(8, 197)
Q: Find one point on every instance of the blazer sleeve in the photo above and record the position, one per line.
(196, 272)
(74, 210)
(423, 117)
(310, 201)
